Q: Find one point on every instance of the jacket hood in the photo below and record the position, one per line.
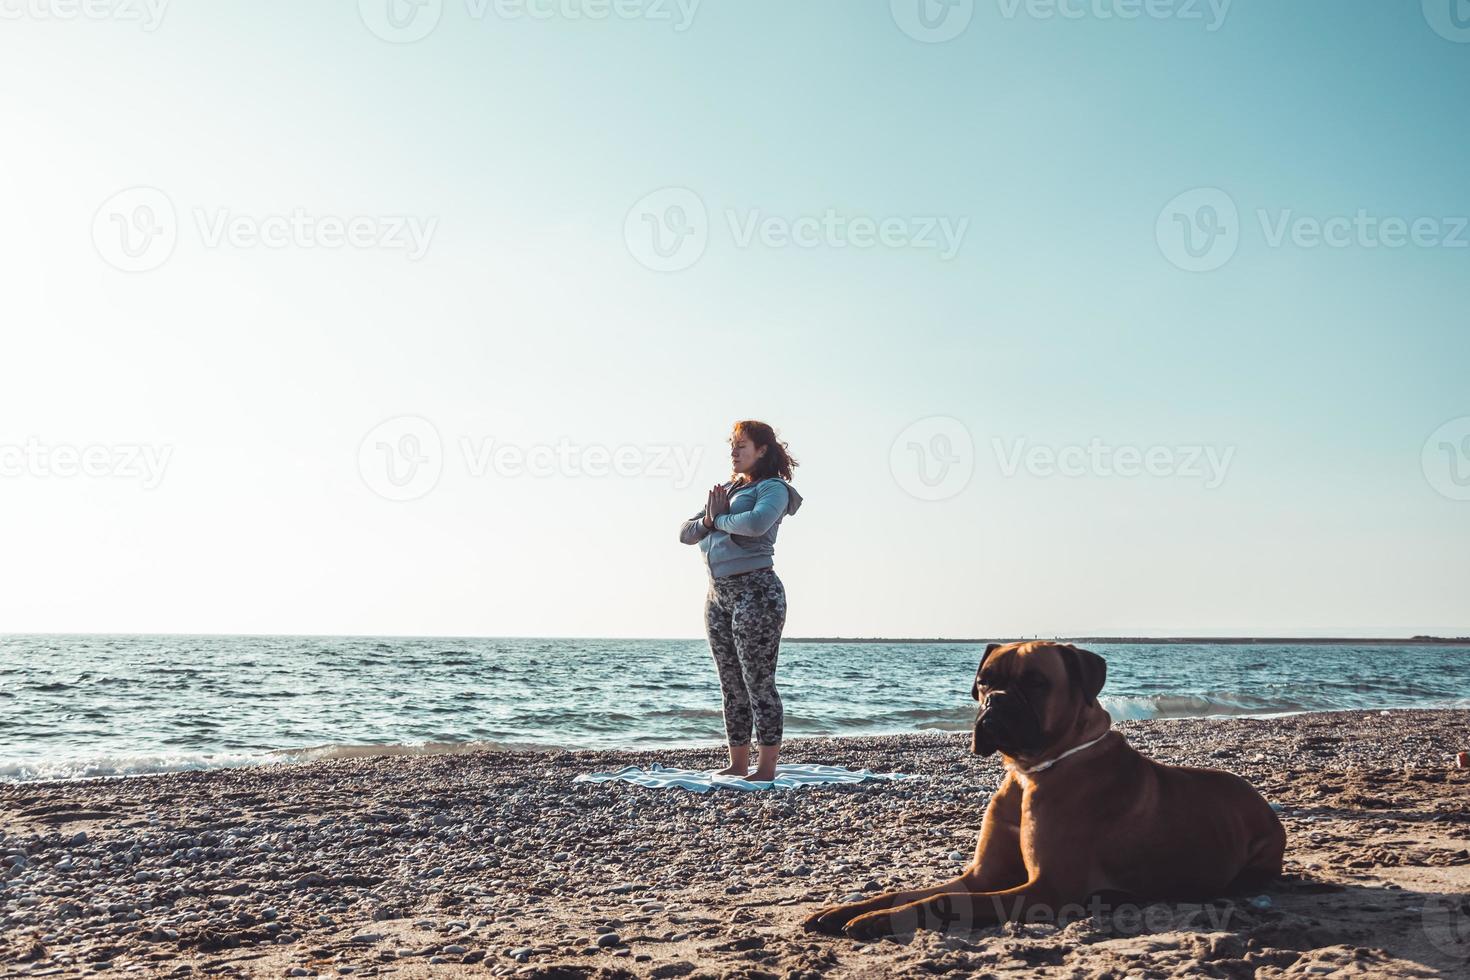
(795, 502)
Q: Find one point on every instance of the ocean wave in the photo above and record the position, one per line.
(155, 763)
(951, 719)
(685, 714)
(314, 753)
(1151, 706)
(105, 766)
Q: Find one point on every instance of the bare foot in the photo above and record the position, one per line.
(765, 763)
(739, 761)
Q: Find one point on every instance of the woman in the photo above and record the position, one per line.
(745, 609)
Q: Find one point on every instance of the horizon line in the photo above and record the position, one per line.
(1416, 639)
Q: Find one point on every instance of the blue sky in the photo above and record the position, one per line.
(500, 171)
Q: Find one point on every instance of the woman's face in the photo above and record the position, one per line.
(743, 454)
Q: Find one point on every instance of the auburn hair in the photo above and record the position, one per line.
(777, 460)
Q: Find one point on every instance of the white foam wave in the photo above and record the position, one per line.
(102, 766)
(363, 751)
(149, 764)
(1146, 707)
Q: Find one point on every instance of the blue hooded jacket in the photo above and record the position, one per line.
(745, 538)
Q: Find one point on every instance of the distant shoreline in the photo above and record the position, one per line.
(1448, 641)
(1451, 641)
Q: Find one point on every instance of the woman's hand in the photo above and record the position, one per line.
(716, 504)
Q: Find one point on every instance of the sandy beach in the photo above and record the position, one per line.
(481, 862)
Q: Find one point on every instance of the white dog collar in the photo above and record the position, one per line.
(1051, 762)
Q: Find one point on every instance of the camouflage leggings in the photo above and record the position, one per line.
(744, 615)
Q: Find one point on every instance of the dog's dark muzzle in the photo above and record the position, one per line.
(1006, 723)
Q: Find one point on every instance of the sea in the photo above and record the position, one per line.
(83, 706)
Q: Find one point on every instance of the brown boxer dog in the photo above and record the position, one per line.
(1079, 813)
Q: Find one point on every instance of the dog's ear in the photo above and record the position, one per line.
(1085, 670)
(975, 687)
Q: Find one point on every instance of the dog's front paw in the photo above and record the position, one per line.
(830, 919)
(873, 925)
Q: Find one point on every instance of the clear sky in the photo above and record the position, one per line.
(269, 265)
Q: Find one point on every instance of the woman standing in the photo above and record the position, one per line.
(745, 609)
